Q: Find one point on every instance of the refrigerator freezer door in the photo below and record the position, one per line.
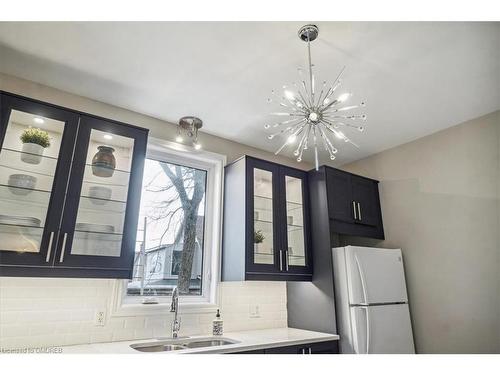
(375, 275)
(384, 329)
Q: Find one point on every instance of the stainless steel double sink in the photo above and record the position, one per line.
(181, 344)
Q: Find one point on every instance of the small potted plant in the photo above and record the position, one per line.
(34, 142)
(258, 238)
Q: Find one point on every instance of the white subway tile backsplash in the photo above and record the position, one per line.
(38, 312)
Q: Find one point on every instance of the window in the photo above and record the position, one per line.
(170, 248)
(178, 239)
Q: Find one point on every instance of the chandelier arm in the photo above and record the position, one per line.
(334, 87)
(304, 101)
(292, 114)
(339, 135)
(347, 117)
(331, 149)
(302, 140)
(347, 108)
(319, 98)
(338, 123)
(295, 106)
(290, 127)
(294, 132)
(285, 122)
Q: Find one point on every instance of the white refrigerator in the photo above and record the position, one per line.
(371, 301)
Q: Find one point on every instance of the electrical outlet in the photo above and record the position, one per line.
(254, 311)
(100, 317)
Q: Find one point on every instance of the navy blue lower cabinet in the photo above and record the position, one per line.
(327, 347)
(70, 186)
(266, 222)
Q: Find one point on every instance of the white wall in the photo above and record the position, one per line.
(41, 312)
(440, 198)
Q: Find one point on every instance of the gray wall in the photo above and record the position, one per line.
(440, 204)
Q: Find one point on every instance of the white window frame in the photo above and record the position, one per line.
(170, 152)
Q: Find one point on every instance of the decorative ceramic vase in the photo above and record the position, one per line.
(104, 162)
(32, 153)
(21, 184)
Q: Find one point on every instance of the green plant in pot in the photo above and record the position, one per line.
(34, 141)
(258, 238)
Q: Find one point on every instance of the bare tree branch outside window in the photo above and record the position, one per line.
(173, 202)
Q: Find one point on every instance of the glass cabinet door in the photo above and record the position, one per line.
(263, 217)
(99, 204)
(296, 210)
(295, 222)
(263, 212)
(35, 156)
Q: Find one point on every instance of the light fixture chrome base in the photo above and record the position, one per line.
(308, 33)
(189, 126)
(190, 123)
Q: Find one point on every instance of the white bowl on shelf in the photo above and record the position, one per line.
(100, 228)
(24, 182)
(20, 220)
(99, 195)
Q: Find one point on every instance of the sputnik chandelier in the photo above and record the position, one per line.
(312, 118)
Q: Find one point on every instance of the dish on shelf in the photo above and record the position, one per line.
(20, 220)
(99, 195)
(23, 181)
(100, 228)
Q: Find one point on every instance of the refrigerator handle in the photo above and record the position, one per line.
(367, 311)
(362, 278)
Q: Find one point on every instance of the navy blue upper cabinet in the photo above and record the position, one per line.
(266, 222)
(70, 187)
(353, 203)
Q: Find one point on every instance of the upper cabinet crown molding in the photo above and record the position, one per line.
(69, 209)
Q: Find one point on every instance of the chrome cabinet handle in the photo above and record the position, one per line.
(63, 248)
(303, 350)
(310, 350)
(281, 260)
(286, 260)
(359, 211)
(49, 249)
(354, 209)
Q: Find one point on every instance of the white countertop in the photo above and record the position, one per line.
(247, 340)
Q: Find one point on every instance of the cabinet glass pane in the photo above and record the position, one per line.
(263, 217)
(103, 200)
(28, 161)
(295, 222)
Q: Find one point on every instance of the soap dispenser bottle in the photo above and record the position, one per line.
(217, 325)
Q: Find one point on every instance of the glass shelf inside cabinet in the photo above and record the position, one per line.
(28, 161)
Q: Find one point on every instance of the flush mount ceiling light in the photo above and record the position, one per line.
(311, 117)
(188, 128)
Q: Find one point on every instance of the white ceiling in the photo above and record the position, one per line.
(416, 78)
